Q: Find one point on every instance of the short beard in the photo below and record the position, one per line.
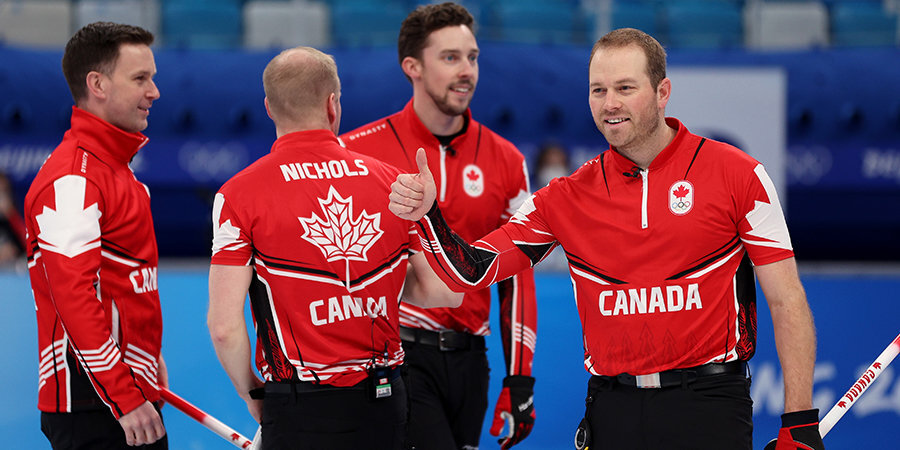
(648, 133)
(444, 106)
(654, 126)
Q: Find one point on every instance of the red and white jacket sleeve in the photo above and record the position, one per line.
(495, 257)
(518, 302)
(67, 219)
(762, 228)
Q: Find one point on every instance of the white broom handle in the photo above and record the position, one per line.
(860, 386)
(214, 425)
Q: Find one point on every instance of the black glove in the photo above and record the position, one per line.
(799, 431)
(516, 407)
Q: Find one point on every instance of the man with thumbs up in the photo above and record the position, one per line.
(663, 233)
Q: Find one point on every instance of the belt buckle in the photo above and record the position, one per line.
(649, 381)
(443, 336)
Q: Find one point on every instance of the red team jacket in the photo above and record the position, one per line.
(329, 257)
(481, 180)
(657, 257)
(92, 261)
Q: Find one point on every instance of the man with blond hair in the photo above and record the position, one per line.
(306, 231)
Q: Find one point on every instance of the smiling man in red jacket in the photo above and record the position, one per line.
(482, 180)
(664, 233)
(92, 253)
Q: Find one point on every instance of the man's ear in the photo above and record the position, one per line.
(663, 92)
(331, 106)
(96, 84)
(266, 102)
(412, 67)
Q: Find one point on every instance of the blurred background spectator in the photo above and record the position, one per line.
(551, 161)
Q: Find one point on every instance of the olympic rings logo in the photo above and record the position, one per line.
(681, 197)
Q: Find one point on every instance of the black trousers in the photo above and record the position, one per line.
(714, 412)
(448, 396)
(335, 418)
(90, 430)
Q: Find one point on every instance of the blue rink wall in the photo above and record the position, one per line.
(841, 148)
(856, 316)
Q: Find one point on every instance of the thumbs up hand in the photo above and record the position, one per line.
(412, 195)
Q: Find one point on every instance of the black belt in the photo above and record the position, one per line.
(677, 377)
(301, 387)
(445, 340)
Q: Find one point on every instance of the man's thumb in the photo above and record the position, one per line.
(497, 425)
(422, 162)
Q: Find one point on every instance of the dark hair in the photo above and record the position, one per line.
(623, 37)
(95, 47)
(426, 19)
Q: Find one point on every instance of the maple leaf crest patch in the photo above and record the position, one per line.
(338, 234)
(473, 180)
(681, 197)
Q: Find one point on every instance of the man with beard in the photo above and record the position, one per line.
(663, 233)
(483, 180)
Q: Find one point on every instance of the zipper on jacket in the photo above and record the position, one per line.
(644, 190)
(443, 194)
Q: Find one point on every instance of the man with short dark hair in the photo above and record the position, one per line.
(92, 254)
(483, 180)
(663, 232)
